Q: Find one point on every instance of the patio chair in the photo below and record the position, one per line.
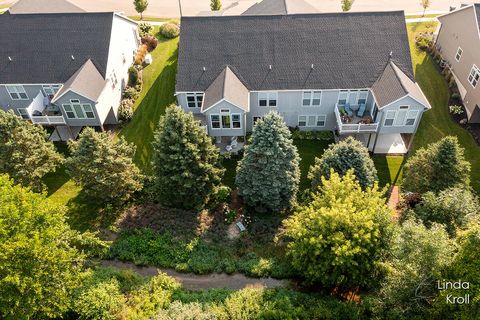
(348, 110)
(361, 110)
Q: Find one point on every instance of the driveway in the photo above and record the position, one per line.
(169, 8)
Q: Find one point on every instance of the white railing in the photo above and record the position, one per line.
(48, 119)
(353, 128)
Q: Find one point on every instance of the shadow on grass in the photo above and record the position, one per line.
(389, 169)
(55, 180)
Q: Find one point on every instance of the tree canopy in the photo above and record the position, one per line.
(342, 157)
(186, 164)
(140, 6)
(40, 264)
(103, 167)
(26, 155)
(439, 166)
(215, 5)
(338, 238)
(269, 174)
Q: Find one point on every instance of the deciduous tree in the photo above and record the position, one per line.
(425, 5)
(440, 166)
(186, 164)
(215, 5)
(140, 6)
(26, 155)
(347, 5)
(104, 167)
(340, 237)
(342, 157)
(269, 174)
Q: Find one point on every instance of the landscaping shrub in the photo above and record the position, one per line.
(170, 30)
(144, 29)
(130, 93)
(455, 109)
(223, 194)
(186, 311)
(423, 41)
(312, 135)
(151, 42)
(125, 111)
(132, 76)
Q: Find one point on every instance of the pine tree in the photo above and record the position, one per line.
(26, 155)
(341, 157)
(104, 167)
(186, 164)
(216, 5)
(269, 174)
(440, 166)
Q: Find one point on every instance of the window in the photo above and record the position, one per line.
(411, 117)
(215, 120)
(23, 113)
(194, 100)
(362, 97)
(226, 121)
(311, 98)
(474, 76)
(342, 97)
(236, 124)
(267, 99)
(389, 118)
(17, 92)
(51, 89)
(113, 79)
(255, 119)
(312, 121)
(458, 55)
(75, 110)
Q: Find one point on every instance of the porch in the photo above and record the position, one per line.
(352, 119)
(41, 111)
(229, 144)
(389, 144)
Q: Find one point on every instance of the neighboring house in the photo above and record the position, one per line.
(458, 42)
(319, 71)
(43, 6)
(65, 70)
(264, 7)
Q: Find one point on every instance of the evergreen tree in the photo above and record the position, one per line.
(103, 167)
(269, 174)
(339, 238)
(440, 166)
(26, 155)
(186, 164)
(216, 5)
(342, 157)
(140, 6)
(40, 264)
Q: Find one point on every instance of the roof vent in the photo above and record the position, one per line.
(9, 58)
(391, 54)
(73, 58)
(312, 66)
(269, 67)
(204, 69)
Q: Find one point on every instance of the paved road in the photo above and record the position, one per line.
(169, 8)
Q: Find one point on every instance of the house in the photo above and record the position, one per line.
(43, 6)
(345, 72)
(458, 42)
(263, 7)
(65, 70)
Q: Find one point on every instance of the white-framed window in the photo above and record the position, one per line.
(267, 99)
(389, 118)
(23, 113)
(236, 122)
(411, 117)
(474, 76)
(226, 120)
(256, 118)
(362, 97)
(50, 89)
(312, 121)
(113, 79)
(311, 98)
(352, 97)
(215, 121)
(342, 98)
(17, 92)
(458, 55)
(194, 100)
(76, 110)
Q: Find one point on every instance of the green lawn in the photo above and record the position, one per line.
(308, 150)
(416, 16)
(436, 123)
(147, 19)
(157, 93)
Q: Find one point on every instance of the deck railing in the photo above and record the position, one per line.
(48, 120)
(352, 127)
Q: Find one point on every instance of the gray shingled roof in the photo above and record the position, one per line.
(477, 11)
(226, 86)
(41, 46)
(278, 7)
(348, 50)
(393, 84)
(43, 6)
(87, 82)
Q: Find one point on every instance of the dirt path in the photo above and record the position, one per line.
(196, 282)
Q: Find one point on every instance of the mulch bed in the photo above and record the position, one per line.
(473, 128)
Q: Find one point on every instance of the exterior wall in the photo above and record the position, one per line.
(182, 102)
(460, 29)
(78, 122)
(225, 132)
(6, 103)
(406, 101)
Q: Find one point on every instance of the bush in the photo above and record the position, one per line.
(423, 41)
(130, 93)
(141, 53)
(223, 194)
(132, 76)
(125, 111)
(151, 42)
(170, 30)
(456, 109)
(312, 135)
(456, 96)
(144, 29)
(188, 311)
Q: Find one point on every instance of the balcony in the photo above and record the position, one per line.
(48, 120)
(353, 124)
(42, 112)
